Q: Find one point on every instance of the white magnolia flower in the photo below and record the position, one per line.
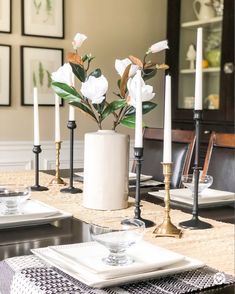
(157, 47)
(78, 40)
(121, 64)
(146, 90)
(95, 89)
(63, 74)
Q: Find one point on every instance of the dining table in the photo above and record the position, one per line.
(214, 246)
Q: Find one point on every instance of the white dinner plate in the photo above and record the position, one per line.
(89, 255)
(208, 198)
(34, 212)
(132, 177)
(94, 280)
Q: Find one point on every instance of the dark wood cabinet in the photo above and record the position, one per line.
(218, 79)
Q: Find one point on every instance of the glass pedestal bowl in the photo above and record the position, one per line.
(117, 235)
(204, 182)
(12, 196)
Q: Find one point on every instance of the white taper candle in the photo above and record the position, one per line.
(57, 118)
(71, 108)
(198, 77)
(138, 112)
(167, 122)
(36, 116)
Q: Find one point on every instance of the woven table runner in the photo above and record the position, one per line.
(28, 274)
(215, 247)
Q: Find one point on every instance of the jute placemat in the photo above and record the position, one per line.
(214, 246)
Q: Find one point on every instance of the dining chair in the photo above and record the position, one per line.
(182, 148)
(219, 161)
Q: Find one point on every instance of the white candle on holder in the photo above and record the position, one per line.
(138, 112)
(167, 122)
(71, 108)
(57, 118)
(71, 113)
(35, 116)
(198, 77)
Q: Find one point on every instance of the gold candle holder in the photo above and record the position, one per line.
(167, 229)
(57, 179)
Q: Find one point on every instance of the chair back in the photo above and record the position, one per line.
(182, 148)
(219, 161)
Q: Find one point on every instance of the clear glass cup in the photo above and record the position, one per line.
(117, 235)
(12, 196)
(204, 182)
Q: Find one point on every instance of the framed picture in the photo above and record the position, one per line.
(5, 16)
(5, 75)
(43, 18)
(37, 64)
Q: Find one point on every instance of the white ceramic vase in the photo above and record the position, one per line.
(106, 165)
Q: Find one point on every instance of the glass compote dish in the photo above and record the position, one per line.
(117, 235)
(205, 181)
(12, 196)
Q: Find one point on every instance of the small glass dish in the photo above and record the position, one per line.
(12, 196)
(117, 235)
(204, 182)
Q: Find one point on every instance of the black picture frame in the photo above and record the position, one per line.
(37, 63)
(40, 19)
(5, 16)
(5, 75)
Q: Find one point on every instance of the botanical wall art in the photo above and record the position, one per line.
(5, 16)
(43, 18)
(37, 64)
(5, 75)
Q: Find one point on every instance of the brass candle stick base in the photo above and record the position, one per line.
(167, 229)
(57, 179)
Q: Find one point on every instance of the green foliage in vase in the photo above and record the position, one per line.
(91, 98)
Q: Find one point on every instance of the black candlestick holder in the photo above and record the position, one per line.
(37, 149)
(138, 152)
(71, 189)
(195, 223)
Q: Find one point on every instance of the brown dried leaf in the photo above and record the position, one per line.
(124, 80)
(162, 66)
(149, 65)
(136, 61)
(74, 58)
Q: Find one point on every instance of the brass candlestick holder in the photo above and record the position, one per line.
(57, 179)
(167, 229)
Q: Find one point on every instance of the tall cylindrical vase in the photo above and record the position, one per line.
(106, 165)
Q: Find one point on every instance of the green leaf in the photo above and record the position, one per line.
(114, 105)
(70, 94)
(96, 73)
(79, 71)
(65, 91)
(99, 107)
(149, 73)
(128, 122)
(119, 83)
(147, 106)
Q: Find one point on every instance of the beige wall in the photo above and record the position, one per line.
(115, 29)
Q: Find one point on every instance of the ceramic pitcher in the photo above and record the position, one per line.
(203, 9)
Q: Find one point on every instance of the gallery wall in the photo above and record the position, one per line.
(115, 29)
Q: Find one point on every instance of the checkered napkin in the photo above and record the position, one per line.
(28, 274)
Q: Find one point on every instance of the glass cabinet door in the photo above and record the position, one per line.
(208, 15)
(216, 17)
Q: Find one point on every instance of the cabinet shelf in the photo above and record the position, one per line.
(191, 71)
(203, 23)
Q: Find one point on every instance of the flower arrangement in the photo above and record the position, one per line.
(91, 98)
